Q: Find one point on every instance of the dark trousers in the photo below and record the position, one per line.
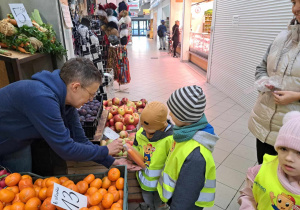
(175, 44)
(262, 149)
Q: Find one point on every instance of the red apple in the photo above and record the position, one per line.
(110, 116)
(140, 110)
(113, 128)
(108, 108)
(144, 105)
(109, 102)
(124, 100)
(133, 109)
(118, 118)
(116, 101)
(136, 118)
(139, 104)
(131, 136)
(127, 115)
(105, 103)
(130, 103)
(128, 110)
(129, 142)
(124, 127)
(128, 120)
(119, 126)
(121, 111)
(114, 110)
(143, 100)
(111, 122)
(123, 134)
(130, 127)
(107, 124)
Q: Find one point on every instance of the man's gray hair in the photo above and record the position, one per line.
(80, 70)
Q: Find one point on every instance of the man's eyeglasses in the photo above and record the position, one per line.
(92, 96)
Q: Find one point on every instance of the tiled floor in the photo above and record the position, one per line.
(155, 75)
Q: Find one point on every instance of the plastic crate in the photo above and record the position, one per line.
(78, 177)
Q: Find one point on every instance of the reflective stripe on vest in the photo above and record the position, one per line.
(152, 173)
(210, 183)
(165, 178)
(206, 197)
(146, 182)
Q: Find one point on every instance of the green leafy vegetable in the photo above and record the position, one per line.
(35, 15)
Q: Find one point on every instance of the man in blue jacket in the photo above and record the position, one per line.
(45, 108)
(161, 32)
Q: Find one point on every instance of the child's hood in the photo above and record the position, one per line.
(158, 135)
(207, 137)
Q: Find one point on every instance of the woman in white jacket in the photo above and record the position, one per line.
(282, 61)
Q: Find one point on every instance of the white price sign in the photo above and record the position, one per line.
(109, 133)
(20, 14)
(68, 199)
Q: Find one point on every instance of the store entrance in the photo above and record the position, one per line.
(139, 27)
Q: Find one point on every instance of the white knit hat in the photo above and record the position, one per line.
(187, 104)
(289, 133)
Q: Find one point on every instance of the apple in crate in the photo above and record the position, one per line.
(108, 108)
(140, 110)
(136, 118)
(120, 153)
(121, 110)
(130, 127)
(124, 127)
(114, 110)
(116, 101)
(143, 100)
(113, 128)
(131, 136)
(124, 100)
(110, 116)
(109, 102)
(128, 110)
(128, 120)
(118, 118)
(107, 124)
(111, 122)
(119, 126)
(123, 134)
(139, 104)
(105, 103)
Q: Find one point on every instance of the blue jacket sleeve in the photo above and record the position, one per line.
(44, 113)
(190, 182)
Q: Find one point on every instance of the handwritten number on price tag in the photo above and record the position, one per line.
(70, 196)
(20, 14)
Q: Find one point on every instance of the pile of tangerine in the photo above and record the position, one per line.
(22, 194)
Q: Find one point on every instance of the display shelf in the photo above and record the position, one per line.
(199, 43)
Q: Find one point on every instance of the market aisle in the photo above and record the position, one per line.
(156, 79)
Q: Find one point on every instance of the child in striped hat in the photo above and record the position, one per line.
(188, 180)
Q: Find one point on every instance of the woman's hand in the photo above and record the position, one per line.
(115, 147)
(285, 97)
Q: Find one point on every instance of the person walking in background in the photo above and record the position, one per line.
(161, 32)
(275, 183)
(278, 82)
(175, 36)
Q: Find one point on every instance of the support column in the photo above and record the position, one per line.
(186, 29)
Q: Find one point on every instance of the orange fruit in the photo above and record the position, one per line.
(1, 205)
(37, 190)
(111, 188)
(25, 183)
(73, 187)
(66, 183)
(63, 179)
(38, 182)
(33, 204)
(89, 178)
(12, 179)
(102, 191)
(95, 199)
(120, 202)
(91, 190)
(120, 183)
(17, 198)
(96, 183)
(107, 200)
(47, 205)
(100, 206)
(113, 183)
(43, 193)
(106, 182)
(94, 208)
(50, 191)
(116, 205)
(59, 208)
(114, 174)
(6, 195)
(26, 177)
(116, 208)
(116, 195)
(26, 194)
(121, 192)
(84, 208)
(82, 187)
(44, 182)
(50, 182)
(7, 208)
(18, 206)
(15, 189)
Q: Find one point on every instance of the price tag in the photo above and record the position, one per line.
(109, 133)
(68, 199)
(20, 14)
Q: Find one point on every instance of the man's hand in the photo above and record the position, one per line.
(286, 97)
(130, 165)
(115, 147)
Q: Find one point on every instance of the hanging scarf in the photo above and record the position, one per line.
(185, 133)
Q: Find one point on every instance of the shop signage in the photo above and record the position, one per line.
(133, 5)
(197, 10)
(67, 199)
(20, 14)
(67, 17)
(146, 11)
(133, 14)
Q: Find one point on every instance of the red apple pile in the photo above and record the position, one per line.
(3, 175)
(123, 113)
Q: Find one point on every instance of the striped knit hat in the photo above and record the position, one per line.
(187, 104)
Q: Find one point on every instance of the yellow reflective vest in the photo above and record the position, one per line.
(155, 155)
(167, 182)
(268, 192)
